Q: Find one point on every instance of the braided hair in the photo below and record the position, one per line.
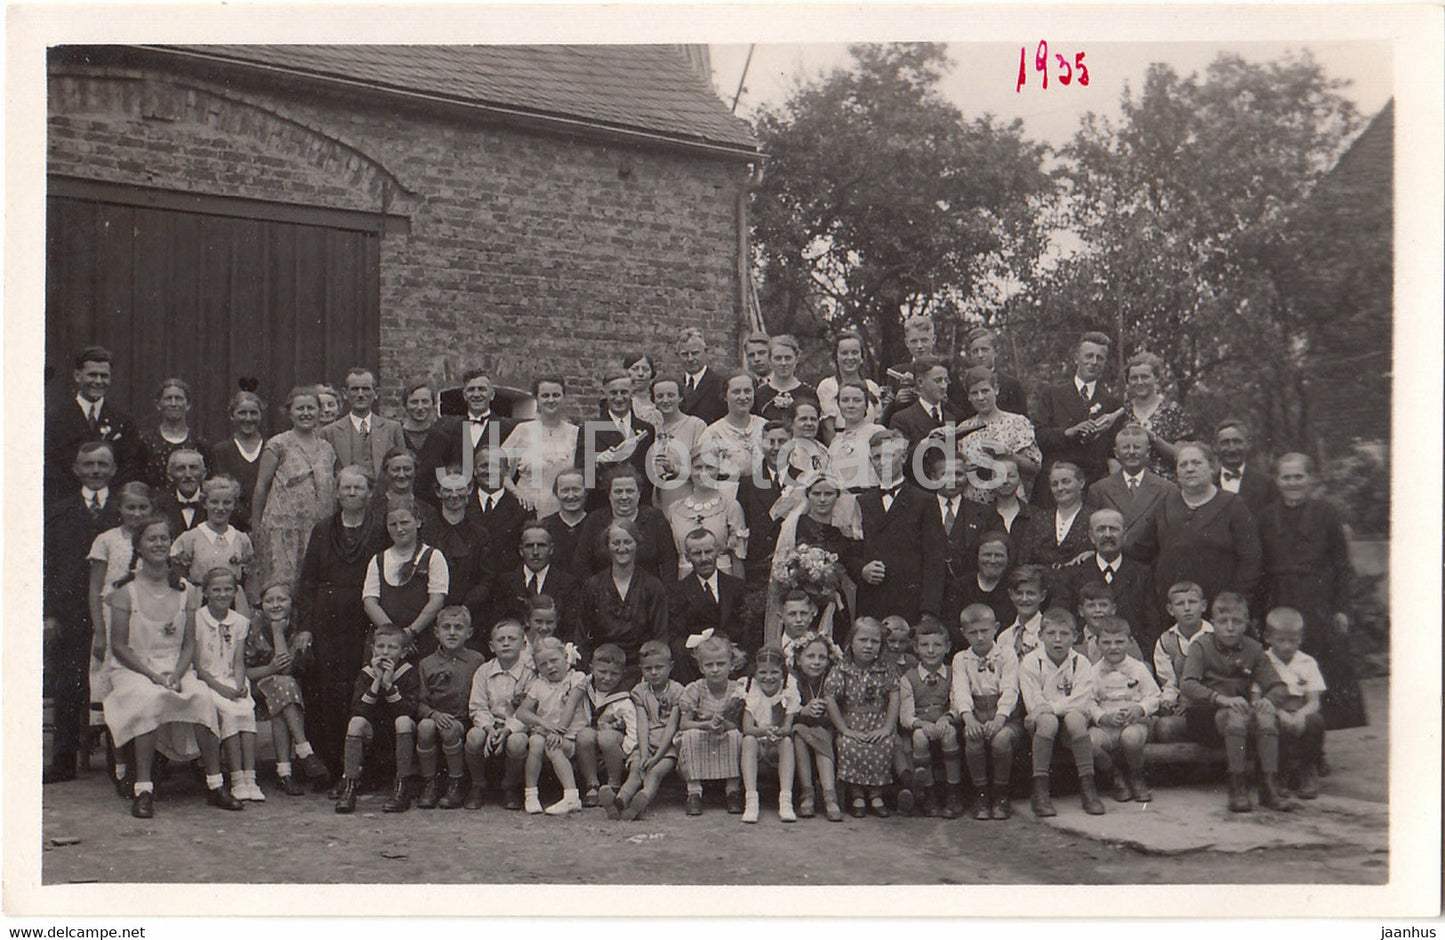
(173, 577)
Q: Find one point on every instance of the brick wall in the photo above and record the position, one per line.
(528, 252)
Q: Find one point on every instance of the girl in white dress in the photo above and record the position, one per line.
(156, 700)
(220, 662)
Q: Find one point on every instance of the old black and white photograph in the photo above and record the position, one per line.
(934, 448)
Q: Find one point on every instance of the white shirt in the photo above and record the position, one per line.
(363, 424)
(474, 426)
(1107, 566)
(224, 537)
(438, 578)
(1086, 389)
(531, 577)
(1022, 638)
(91, 408)
(1230, 486)
(695, 378)
(484, 495)
(90, 496)
(943, 505)
(710, 584)
(1164, 666)
(1133, 482)
(1301, 674)
(890, 494)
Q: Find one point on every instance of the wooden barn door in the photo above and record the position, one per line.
(209, 290)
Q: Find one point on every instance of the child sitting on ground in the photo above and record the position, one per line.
(554, 712)
(611, 730)
(1218, 674)
(927, 723)
(657, 700)
(1186, 606)
(1125, 695)
(386, 696)
(710, 737)
(985, 697)
(496, 735)
(1096, 602)
(1056, 683)
(1026, 590)
(770, 698)
(1301, 726)
(446, 684)
(812, 728)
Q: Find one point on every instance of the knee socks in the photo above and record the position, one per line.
(352, 755)
(452, 751)
(405, 745)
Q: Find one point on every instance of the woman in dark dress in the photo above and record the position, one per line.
(1041, 542)
(985, 586)
(817, 525)
(1307, 567)
(419, 414)
(776, 393)
(239, 455)
(623, 604)
(1201, 533)
(328, 605)
(173, 401)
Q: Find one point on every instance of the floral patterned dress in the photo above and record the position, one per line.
(1169, 422)
(303, 492)
(861, 694)
(1015, 432)
(721, 516)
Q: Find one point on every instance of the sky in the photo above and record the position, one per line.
(985, 77)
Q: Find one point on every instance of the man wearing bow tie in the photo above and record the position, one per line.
(452, 442)
(363, 436)
(71, 525)
(1075, 420)
(183, 505)
(702, 388)
(1236, 474)
(903, 541)
(88, 416)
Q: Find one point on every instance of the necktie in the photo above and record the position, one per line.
(1132, 482)
(91, 417)
(487, 504)
(690, 385)
(1084, 392)
(1109, 574)
(95, 506)
(365, 431)
(532, 584)
(949, 518)
(707, 589)
(889, 497)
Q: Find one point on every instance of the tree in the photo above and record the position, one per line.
(1183, 210)
(881, 201)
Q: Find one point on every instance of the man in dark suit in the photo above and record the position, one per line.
(183, 505)
(1130, 581)
(452, 442)
(621, 437)
(756, 495)
(71, 525)
(537, 576)
(89, 417)
(964, 523)
(932, 410)
(902, 381)
(702, 388)
(500, 517)
(903, 541)
(1075, 420)
(704, 599)
(362, 436)
(1135, 491)
(1236, 472)
(981, 349)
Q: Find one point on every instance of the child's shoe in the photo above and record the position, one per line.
(980, 804)
(1269, 796)
(1239, 795)
(1043, 806)
(1140, 786)
(907, 800)
(568, 804)
(925, 800)
(785, 808)
(431, 794)
(1002, 808)
(315, 769)
(290, 787)
(1089, 796)
(221, 798)
(750, 807)
(346, 797)
(1309, 784)
(807, 808)
(831, 809)
(694, 804)
(400, 800)
(607, 799)
(591, 798)
(512, 799)
(142, 805)
(1122, 792)
(734, 801)
(952, 801)
(637, 804)
(532, 803)
(456, 793)
(879, 808)
(250, 792)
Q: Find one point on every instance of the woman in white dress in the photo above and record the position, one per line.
(705, 507)
(543, 447)
(674, 444)
(848, 453)
(737, 437)
(156, 700)
(848, 362)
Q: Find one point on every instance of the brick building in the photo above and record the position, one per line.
(288, 211)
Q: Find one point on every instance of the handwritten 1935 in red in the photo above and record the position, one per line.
(1065, 72)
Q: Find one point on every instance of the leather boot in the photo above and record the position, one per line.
(953, 801)
(905, 793)
(1239, 795)
(456, 793)
(1089, 797)
(1002, 808)
(400, 800)
(1123, 793)
(346, 799)
(222, 798)
(1140, 786)
(1043, 806)
(925, 803)
(1309, 784)
(430, 794)
(981, 804)
(1269, 796)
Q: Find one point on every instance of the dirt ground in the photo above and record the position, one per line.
(300, 839)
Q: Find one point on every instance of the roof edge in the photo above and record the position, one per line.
(570, 124)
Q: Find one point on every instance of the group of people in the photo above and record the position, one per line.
(876, 590)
